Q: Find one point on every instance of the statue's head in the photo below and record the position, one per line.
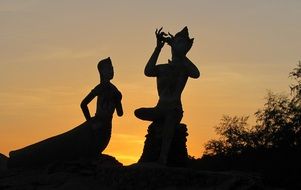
(180, 43)
(105, 69)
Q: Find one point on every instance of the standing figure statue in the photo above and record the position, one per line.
(171, 80)
(87, 140)
(108, 100)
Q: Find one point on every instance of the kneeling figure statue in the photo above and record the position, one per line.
(171, 80)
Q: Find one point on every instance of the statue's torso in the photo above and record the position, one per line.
(107, 98)
(171, 80)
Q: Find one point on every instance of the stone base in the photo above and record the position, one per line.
(3, 162)
(152, 146)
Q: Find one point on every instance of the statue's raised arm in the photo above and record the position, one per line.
(150, 68)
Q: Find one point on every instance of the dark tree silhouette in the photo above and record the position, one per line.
(272, 146)
(274, 122)
(296, 87)
(295, 105)
(233, 133)
(278, 125)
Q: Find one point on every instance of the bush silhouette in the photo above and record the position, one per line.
(273, 142)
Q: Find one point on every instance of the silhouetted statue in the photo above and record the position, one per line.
(87, 140)
(108, 100)
(171, 80)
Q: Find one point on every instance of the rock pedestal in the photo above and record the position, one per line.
(152, 146)
(3, 162)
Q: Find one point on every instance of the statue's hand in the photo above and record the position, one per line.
(160, 37)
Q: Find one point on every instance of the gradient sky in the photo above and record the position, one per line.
(49, 51)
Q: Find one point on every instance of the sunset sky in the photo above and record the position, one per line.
(49, 51)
